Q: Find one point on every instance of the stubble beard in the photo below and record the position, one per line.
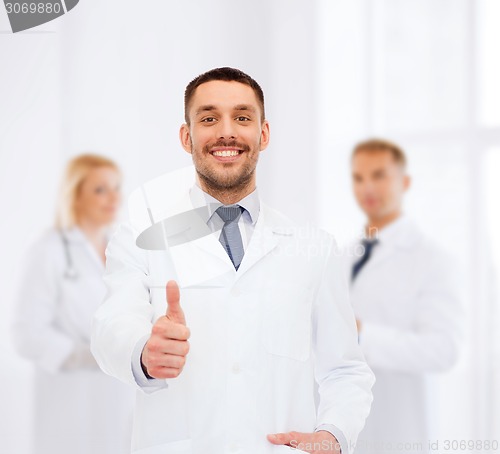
(230, 181)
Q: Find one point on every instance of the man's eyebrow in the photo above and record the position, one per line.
(206, 108)
(244, 107)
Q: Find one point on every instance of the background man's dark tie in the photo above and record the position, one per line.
(368, 245)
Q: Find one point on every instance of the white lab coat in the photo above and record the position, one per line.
(407, 297)
(259, 336)
(80, 410)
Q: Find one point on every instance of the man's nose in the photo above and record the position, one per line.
(364, 183)
(364, 188)
(226, 129)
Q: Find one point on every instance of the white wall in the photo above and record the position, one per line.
(30, 164)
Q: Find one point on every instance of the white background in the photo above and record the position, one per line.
(109, 76)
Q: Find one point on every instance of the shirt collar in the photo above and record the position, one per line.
(251, 203)
(73, 234)
(392, 230)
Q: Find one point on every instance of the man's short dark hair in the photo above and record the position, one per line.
(376, 145)
(225, 74)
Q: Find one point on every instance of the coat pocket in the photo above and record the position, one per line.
(174, 447)
(287, 321)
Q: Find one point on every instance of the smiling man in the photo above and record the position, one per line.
(256, 313)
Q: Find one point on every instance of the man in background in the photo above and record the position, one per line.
(404, 295)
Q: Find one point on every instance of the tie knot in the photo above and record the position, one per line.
(229, 213)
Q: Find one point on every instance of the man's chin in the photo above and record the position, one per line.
(226, 185)
(373, 211)
(223, 181)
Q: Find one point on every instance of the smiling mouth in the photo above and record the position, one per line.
(226, 152)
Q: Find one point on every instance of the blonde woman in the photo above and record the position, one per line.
(78, 409)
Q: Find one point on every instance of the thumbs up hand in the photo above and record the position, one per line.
(164, 354)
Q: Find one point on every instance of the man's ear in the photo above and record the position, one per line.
(185, 137)
(264, 135)
(406, 182)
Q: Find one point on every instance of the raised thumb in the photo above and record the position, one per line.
(174, 310)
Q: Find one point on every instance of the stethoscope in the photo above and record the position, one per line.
(70, 273)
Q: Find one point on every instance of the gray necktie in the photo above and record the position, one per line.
(230, 236)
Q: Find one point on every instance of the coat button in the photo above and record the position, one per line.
(236, 368)
(235, 292)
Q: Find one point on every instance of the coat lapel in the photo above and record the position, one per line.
(76, 236)
(202, 260)
(263, 241)
(380, 253)
(402, 238)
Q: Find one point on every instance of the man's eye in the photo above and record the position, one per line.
(243, 118)
(208, 120)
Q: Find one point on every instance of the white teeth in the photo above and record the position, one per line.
(226, 153)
